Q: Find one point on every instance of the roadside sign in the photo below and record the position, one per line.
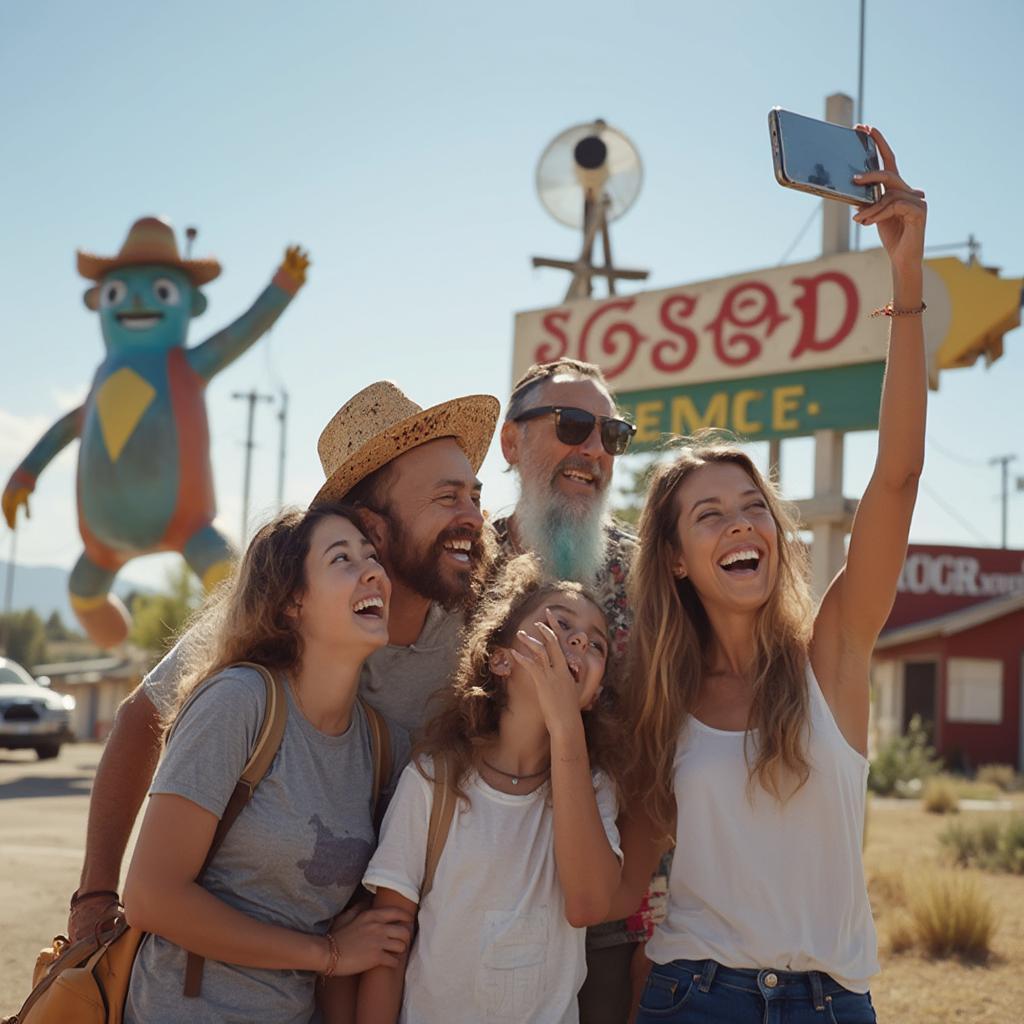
(708, 352)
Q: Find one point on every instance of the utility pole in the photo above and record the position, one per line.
(1004, 461)
(252, 397)
(282, 419)
(9, 588)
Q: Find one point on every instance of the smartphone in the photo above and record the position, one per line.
(821, 158)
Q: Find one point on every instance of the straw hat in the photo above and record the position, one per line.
(380, 423)
(150, 240)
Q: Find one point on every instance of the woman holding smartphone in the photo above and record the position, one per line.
(750, 711)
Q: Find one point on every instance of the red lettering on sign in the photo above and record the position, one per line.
(746, 305)
(807, 303)
(546, 352)
(612, 338)
(674, 308)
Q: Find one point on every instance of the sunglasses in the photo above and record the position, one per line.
(573, 426)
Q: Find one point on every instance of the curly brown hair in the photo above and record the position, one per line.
(476, 698)
(247, 618)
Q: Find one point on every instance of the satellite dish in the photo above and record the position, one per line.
(590, 161)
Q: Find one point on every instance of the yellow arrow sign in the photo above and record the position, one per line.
(983, 307)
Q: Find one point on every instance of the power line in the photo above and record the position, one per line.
(953, 514)
(962, 460)
(803, 231)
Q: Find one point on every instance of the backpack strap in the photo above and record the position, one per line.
(380, 749)
(268, 742)
(442, 810)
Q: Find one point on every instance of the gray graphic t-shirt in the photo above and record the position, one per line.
(293, 857)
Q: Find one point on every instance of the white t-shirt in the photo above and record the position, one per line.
(756, 884)
(494, 946)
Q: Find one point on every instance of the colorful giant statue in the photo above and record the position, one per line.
(144, 477)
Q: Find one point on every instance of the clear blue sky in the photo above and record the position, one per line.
(397, 142)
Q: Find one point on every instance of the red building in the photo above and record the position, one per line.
(952, 652)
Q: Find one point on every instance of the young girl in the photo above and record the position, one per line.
(751, 714)
(310, 602)
(531, 856)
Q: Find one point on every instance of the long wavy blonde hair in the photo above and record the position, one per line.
(248, 618)
(671, 638)
(476, 698)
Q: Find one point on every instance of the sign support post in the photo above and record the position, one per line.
(828, 515)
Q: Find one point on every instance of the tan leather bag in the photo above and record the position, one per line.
(86, 982)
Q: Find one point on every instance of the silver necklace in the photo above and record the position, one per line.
(515, 778)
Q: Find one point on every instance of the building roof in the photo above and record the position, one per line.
(951, 623)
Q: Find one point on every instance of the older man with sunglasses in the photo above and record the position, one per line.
(561, 435)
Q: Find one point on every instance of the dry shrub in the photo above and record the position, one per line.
(1002, 776)
(951, 915)
(902, 932)
(887, 887)
(940, 796)
(995, 845)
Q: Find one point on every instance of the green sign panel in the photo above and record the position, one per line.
(760, 408)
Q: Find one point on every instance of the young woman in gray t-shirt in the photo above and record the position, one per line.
(310, 602)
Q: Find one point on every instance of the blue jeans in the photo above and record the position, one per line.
(705, 992)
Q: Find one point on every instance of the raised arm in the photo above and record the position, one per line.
(224, 347)
(23, 480)
(860, 598)
(588, 869)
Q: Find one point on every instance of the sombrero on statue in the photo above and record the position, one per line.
(381, 422)
(150, 240)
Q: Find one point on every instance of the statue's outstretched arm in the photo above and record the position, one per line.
(224, 347)
(47, 448)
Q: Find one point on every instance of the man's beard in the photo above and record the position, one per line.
(421, 570)
(567, 535)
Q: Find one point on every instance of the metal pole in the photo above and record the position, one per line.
(282, 418)
(860, 101)
(252, 397)
(1004, 461)
(9, 586)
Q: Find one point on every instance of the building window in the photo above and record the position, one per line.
(974, 690)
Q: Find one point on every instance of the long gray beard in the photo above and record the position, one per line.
(569, 541)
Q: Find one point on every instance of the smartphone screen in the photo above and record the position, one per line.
(825, 155)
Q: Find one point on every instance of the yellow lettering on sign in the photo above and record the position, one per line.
(648, 421)
(786, 400)
(740, 403)
(687, 420)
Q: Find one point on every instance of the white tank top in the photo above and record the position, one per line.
(759, 884)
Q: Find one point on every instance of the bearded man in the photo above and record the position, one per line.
(561, 435)
(413, 472)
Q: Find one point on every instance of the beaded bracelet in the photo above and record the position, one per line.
(890, 310)
(332, 956)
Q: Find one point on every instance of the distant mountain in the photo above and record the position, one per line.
(45, 588)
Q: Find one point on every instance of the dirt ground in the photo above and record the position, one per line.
(43, 808)
(913, 989)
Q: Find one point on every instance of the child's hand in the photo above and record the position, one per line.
(557, 690)
(371, 938)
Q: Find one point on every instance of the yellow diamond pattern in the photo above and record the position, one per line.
(121, 401)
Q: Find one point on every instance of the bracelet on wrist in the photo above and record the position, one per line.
(333, 956)
(78, 896)
(890, 310)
